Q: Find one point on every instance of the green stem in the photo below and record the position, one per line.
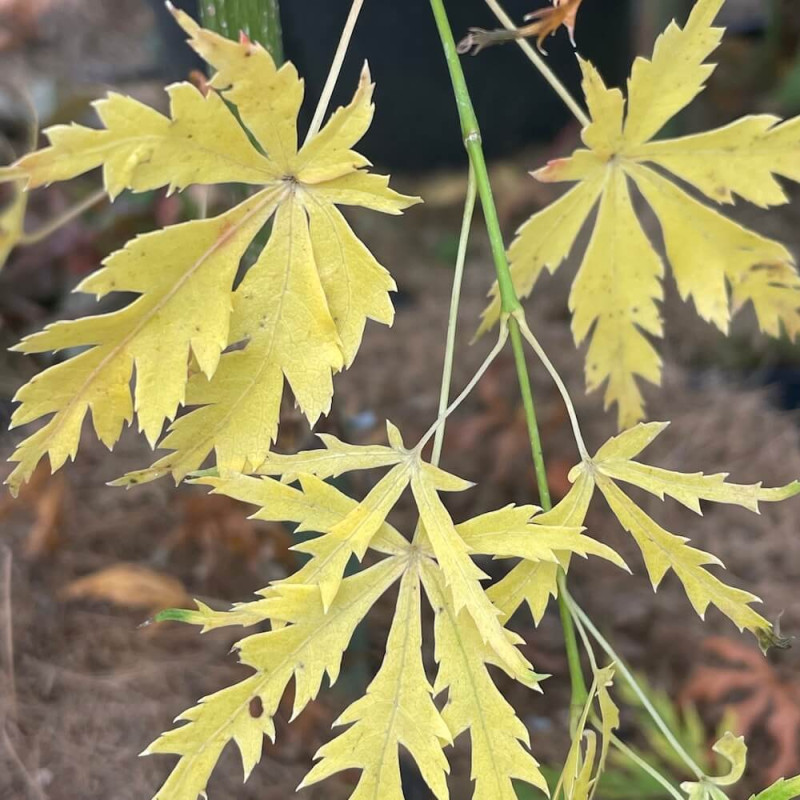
(508, 295)
(645, 767)
(620, 665)
(258, 19)
(452, 320)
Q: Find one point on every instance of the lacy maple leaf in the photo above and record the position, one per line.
(718, 263)
(300, 310)
(662, 550)
(313, 613)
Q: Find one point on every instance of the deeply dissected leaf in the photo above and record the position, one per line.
(309, 645)
(396, 711)
(536, 582)
(662, 550)
(498, 738)
(297, 316)
(716, 262)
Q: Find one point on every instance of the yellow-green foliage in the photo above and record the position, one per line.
(470, 632)
(300, 310)
(298, 316)
(718, 263)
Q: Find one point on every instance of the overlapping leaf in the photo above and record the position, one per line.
(716, 262)
(662, 550)
(308, 645)
(508, 533)
(498, 737)
(298, 315)
(397, 710)
(584, 765)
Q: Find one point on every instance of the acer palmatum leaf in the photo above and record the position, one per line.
(716, 262)
(299, 312)
(662, 550)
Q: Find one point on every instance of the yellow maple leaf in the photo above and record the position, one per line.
(499, 740)
(308, 645)
(662, 550)
(397, 710)
(299, 312)
(716, 262)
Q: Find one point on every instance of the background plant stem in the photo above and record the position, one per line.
(509, 303)
(259, 19)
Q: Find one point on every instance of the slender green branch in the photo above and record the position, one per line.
(452, 321)
(508, 296)
(49, 228)
(336, 68)
(581, 615)
(530, 414)
(541, 65)
(644, 766)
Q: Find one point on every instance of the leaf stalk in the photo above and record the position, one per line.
(509, 302)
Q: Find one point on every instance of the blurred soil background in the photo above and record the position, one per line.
(84, 688)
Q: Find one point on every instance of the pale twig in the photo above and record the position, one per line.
(336, 68)
(541, 65)
(560, 385)
(452, 321)
(470, 386)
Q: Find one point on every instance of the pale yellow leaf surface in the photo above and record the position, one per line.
(140, 149)
(174, 271)
(535, 582)
(298, 315)
(334, 460)
(719, 264)
(463, 577)
(396, 711)
(662, 550)
(309, 645)
(617, 304)
(318, 506)
(498, 738)
(352, 536)
(514, 533)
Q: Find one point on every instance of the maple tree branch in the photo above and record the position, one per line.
(452, 321)
(336, 68)
(540, 64)
(509, 302)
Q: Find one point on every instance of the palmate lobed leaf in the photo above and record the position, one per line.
(397, 710)
(310, 622)
(662, 550)
(299, 313)
(308, 646)
(716, 262)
